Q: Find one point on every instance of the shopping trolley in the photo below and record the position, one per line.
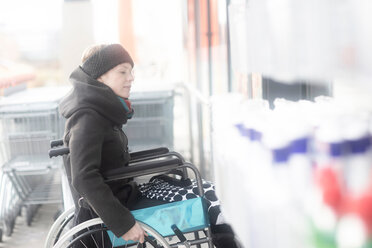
(168, 224)
(28, 121)
(152, 123)
(10, 205)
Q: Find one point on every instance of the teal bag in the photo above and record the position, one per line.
(188, 215)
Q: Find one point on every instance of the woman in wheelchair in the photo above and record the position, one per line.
(95, 110)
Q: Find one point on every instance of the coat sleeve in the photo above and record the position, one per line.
(86, 139)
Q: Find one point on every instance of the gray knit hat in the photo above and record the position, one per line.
(105, 59)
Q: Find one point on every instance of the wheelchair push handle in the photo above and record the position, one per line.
(55, 152)
(55, 143)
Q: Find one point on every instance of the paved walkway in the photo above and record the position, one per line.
(31, 236)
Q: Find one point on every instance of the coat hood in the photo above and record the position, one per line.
(90, 93)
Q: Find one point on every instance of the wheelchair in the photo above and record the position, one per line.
(176, 224)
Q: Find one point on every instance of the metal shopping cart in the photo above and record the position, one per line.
(10, 205)
(28, 121)
(152, 122)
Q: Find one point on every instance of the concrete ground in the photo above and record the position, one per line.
(31, 236)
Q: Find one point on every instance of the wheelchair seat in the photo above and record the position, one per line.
(188, 216)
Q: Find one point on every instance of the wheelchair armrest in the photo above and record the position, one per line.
(162, 154)
(143, 168)
(148, 153)
(135, 156)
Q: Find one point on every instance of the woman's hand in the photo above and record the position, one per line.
(136, 233)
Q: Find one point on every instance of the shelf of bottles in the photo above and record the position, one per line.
(297, 175)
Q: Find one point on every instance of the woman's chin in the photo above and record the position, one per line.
(124, 95)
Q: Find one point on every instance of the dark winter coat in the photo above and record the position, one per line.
(97, 144)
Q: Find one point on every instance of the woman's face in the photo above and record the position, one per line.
(119, 79)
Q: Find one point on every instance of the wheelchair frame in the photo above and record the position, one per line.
(148, 162)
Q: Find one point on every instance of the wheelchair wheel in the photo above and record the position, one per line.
(94, 233)
(59, 227)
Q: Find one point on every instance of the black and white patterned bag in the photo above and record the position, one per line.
(169, 189)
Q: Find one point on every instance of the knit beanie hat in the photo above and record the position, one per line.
(105, 59)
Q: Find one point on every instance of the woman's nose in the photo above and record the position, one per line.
(132, 76)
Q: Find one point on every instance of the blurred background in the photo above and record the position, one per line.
(273, 94)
